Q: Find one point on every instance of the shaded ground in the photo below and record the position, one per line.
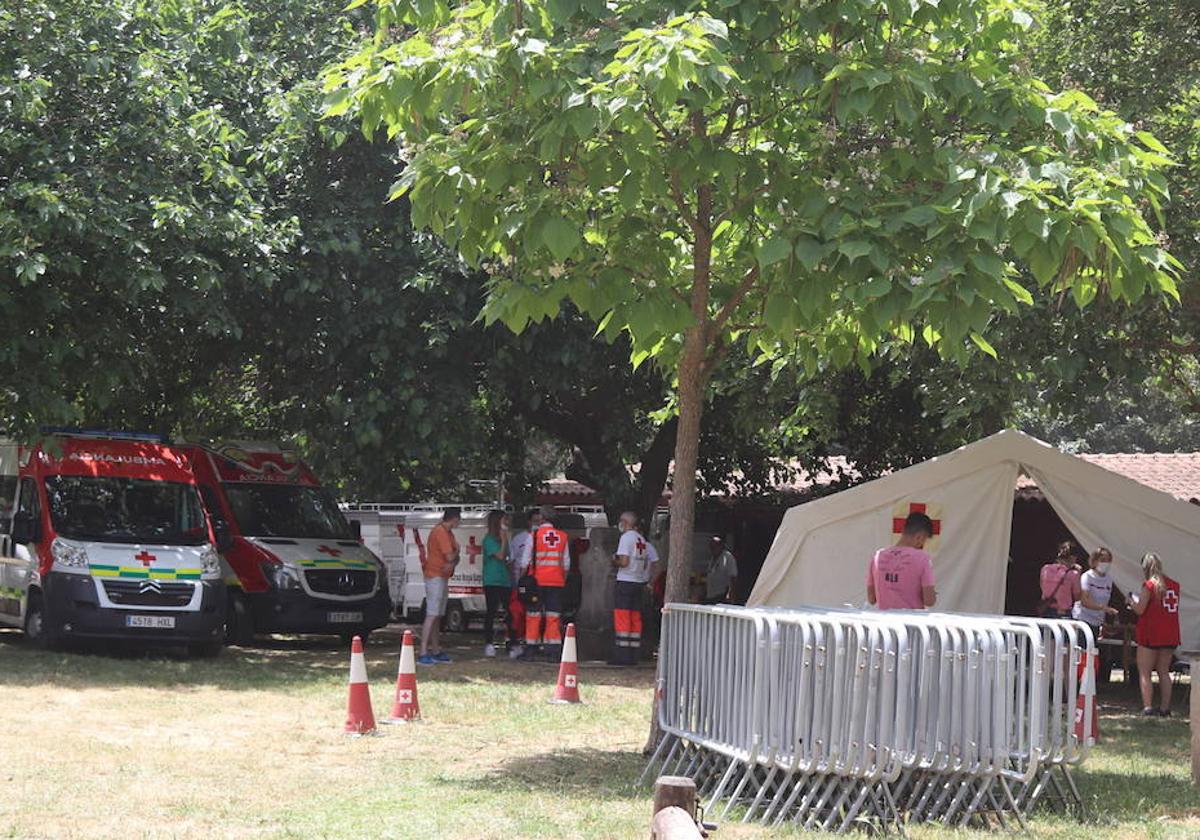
(151, 744)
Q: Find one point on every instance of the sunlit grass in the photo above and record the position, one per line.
(250, 745)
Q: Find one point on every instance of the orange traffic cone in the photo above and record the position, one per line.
(1088, 666)
(406, 709)
(360, 720)
(567, 690)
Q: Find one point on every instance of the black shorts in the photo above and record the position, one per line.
(1159, 647)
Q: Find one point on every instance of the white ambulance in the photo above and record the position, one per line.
(103, 535)
(397, 533)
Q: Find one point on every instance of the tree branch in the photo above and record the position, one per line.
(681, 203)
(739, 294)
(740, 203)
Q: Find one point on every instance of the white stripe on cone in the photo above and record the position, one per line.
(360, 719)
(406, 708)
(567, 689)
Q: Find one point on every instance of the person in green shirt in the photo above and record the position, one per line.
(497, 580)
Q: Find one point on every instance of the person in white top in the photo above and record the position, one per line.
(520, 553)
(1095, 590)
(633, 560)
(721, 574)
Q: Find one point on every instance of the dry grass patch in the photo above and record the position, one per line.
(249, 745)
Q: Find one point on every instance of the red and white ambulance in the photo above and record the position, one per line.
(297, 565)
(104, 535)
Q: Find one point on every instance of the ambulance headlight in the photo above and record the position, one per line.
(280, 576)
(211, 561)
(69, 554)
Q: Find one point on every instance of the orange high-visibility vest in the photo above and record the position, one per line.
(549, 556)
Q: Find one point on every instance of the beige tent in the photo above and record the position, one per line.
(821, 551)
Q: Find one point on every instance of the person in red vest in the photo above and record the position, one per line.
(1157, 634)
(551, 562)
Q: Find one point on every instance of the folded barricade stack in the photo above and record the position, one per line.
(833, 717)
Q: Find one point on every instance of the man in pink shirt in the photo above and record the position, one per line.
(900, 577)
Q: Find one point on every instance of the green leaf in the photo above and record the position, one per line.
(561, 237)
(774, 250)
(988, 264)
(982, 344)
(809, 251)
(1019, 292)
(854, 249)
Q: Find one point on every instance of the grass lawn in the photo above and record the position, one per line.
(250, 745)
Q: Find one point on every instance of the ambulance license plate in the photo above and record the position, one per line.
(166, 622)
(345, 618)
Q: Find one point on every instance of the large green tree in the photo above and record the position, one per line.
(802, 179)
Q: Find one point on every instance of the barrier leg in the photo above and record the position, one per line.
(715, 796)
(662, 743)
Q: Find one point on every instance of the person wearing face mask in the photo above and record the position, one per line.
(633, 560)
(1095, 591)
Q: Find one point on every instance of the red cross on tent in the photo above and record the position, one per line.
(473, 551)
(332, 552)
(145, 558)
(917, 507)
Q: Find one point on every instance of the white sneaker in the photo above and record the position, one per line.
(489, 650)
(516, 652)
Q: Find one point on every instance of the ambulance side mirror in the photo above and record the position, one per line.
(222, 535)
(356, 529)
(26, 529)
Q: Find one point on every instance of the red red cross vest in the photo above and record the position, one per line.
(549, 556)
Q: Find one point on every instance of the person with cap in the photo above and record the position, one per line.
(721, 575)
(551, 562)
(633, 560)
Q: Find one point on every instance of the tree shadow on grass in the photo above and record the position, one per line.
(571, 772)
(273, 663)
(1116, 796)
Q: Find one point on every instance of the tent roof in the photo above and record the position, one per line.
(820, 552)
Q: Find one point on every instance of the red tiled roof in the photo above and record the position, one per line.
(1177, 473)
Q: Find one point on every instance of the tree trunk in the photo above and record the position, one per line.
(683, 482)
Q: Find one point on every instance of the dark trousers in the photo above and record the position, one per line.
(496, 597)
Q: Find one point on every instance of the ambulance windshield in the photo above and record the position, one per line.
(286, 510)
(126, 510)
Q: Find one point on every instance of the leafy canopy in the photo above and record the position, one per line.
(820, 176)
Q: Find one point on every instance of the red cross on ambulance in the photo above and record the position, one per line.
(145, 558)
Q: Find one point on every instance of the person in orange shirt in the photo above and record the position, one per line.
(437, 565)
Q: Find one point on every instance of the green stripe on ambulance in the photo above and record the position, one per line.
(137, 573)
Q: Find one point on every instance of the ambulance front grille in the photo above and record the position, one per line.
(149, 593)
(340, 581)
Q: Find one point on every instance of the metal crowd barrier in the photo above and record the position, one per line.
(834, 717)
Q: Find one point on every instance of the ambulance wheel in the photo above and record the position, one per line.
(455, 620)
(239, 623)
(38, 632)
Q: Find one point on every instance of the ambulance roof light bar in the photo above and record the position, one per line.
(70, 431)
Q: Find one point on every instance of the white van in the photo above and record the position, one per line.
(397, 533)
